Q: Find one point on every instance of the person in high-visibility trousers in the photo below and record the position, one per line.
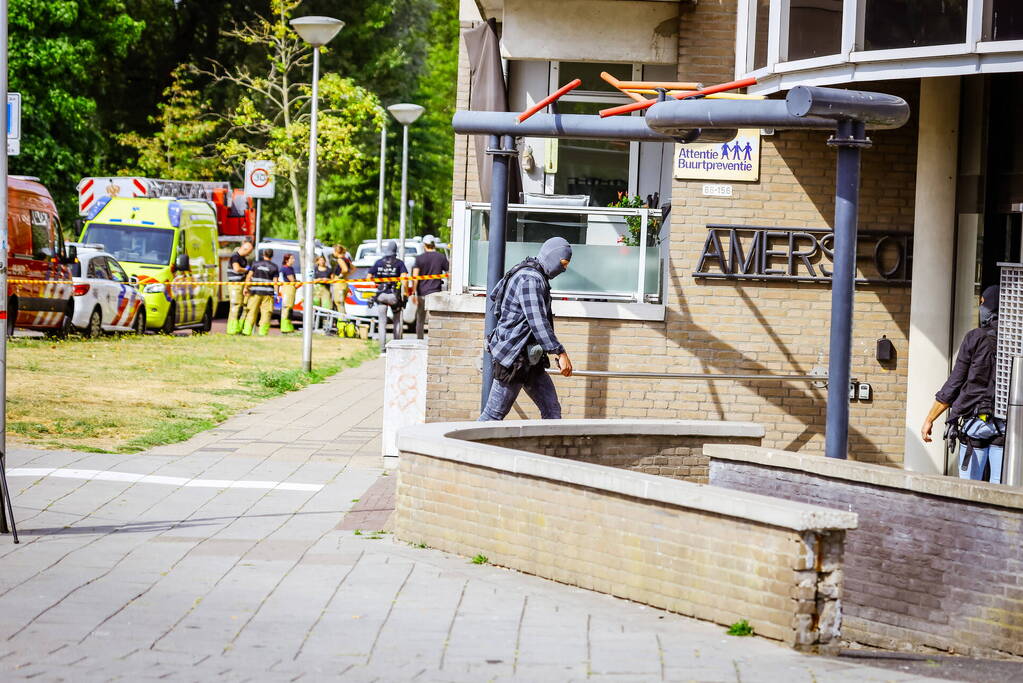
(287, 292)
(321, 290)
(237, 268)
(261, 285)
(343, 270)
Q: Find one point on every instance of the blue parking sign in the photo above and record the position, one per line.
(13, 123)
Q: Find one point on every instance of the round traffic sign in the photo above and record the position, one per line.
(260, 177)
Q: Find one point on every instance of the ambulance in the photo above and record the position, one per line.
(171, 246)
(40, 295)
(235, 217)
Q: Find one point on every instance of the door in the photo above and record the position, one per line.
(125, 300)
(103, 288)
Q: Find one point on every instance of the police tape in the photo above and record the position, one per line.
(326, 281)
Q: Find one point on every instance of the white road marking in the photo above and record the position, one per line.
(109, 475)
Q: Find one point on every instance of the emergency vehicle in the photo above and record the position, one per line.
(170, 245)
(36, 251)
(234, 214)
(107, 299)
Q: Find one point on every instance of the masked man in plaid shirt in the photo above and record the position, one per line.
(524, 335)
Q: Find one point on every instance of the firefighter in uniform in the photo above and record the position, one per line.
(287, 292)
(261, 285)
(238, 267)
(389, 297)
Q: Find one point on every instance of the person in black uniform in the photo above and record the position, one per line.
(389, 294)
(261, 285)
(237, 268)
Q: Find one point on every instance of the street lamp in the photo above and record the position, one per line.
(406, 114)
(317, 31)
(380, 196)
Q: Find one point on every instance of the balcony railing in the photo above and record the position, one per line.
(617, 254)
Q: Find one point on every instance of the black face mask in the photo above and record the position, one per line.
(986, 314)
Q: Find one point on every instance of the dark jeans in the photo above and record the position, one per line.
(540, 388)
(421, 315)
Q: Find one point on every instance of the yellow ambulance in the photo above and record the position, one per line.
(170, 245)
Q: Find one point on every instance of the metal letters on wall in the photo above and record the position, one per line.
(745, 252)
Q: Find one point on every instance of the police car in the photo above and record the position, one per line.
(106, 298)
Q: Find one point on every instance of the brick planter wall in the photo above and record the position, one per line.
(708, 553)
(677, 457)
(935, 564)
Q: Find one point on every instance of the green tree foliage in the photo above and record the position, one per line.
(59, 52)
(181, 148)
(272, 117)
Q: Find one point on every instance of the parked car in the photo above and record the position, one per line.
(36, 253)
(107, 299)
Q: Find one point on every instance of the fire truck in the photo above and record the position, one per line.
(234, 211)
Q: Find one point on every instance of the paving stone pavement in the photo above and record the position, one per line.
(129, 580)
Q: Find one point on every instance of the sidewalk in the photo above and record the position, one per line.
(231, 556)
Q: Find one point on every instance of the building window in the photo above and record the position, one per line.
(1006, 20)
(815, 28)
(893, 24)
(760, 22)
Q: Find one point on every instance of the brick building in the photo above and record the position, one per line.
(733, 280)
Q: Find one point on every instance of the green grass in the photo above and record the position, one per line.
(123, 394)
(480, 559)
(740, 628)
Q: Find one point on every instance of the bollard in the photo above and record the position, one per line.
(1012, 463)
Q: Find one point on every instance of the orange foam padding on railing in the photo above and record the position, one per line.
(547, 100)
(637, 106)
(615, 83)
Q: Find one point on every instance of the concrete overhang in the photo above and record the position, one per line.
(630, 31)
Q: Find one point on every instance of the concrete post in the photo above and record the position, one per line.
(930, 321)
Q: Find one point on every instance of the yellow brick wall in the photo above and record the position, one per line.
(709, 566)
(734, 327)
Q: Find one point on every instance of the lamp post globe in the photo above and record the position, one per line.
(406, 114)
(317, 31)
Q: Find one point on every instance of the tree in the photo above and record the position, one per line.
(59, 51)
(271, 118)
(181, 148)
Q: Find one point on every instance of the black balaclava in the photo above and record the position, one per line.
(551, 253)
(989, 309)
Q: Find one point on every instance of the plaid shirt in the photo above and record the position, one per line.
(524, 315)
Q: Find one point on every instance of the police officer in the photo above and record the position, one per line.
(261, 285)
(237, 268)
(389, 294)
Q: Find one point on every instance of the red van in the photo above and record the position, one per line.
(36, 252)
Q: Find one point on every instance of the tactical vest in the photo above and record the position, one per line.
(388, 266)
(263, 274)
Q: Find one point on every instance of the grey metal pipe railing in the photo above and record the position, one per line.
(614, 374)
(563, 126)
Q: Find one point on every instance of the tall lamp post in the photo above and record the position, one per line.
(380, 197)
(317, 31)
(406, 114)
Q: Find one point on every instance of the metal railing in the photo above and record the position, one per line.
(615, 374)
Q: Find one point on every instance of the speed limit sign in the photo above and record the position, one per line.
(259, 179)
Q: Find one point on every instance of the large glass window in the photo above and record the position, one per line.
(815, 28)
(597, 168)
(1006, 19)
(589, 74)
(914, 23)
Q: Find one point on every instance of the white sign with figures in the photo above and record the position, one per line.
(737, 159)
(259, 179)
